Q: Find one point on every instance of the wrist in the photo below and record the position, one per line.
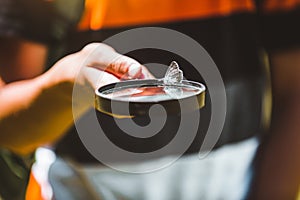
(55, 88)
(60, 87)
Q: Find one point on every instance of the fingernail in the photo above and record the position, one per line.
(134, 70)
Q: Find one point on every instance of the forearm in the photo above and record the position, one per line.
(278, 167)
(34, 112)
(277, 173)
(39, 110)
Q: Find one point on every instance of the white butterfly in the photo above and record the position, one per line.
(173, 75)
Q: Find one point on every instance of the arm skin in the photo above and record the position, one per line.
(277, 173)
(38, 110)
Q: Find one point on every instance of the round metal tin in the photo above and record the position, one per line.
(135, 97)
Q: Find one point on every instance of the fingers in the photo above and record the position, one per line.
(124, 67)
(105, 58)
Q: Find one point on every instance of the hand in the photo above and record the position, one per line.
(94, 66)
(111, 67)
(38, 111)
(105, 58)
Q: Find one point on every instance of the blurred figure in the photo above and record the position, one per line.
(36, 106)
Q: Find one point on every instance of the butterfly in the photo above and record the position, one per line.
(173, 75)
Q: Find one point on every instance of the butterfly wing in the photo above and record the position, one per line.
(173, 75)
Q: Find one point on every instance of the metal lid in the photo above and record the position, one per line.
(135, 97)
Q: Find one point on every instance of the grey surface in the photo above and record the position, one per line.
(224, 174)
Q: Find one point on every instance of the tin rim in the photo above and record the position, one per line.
(129, 109)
